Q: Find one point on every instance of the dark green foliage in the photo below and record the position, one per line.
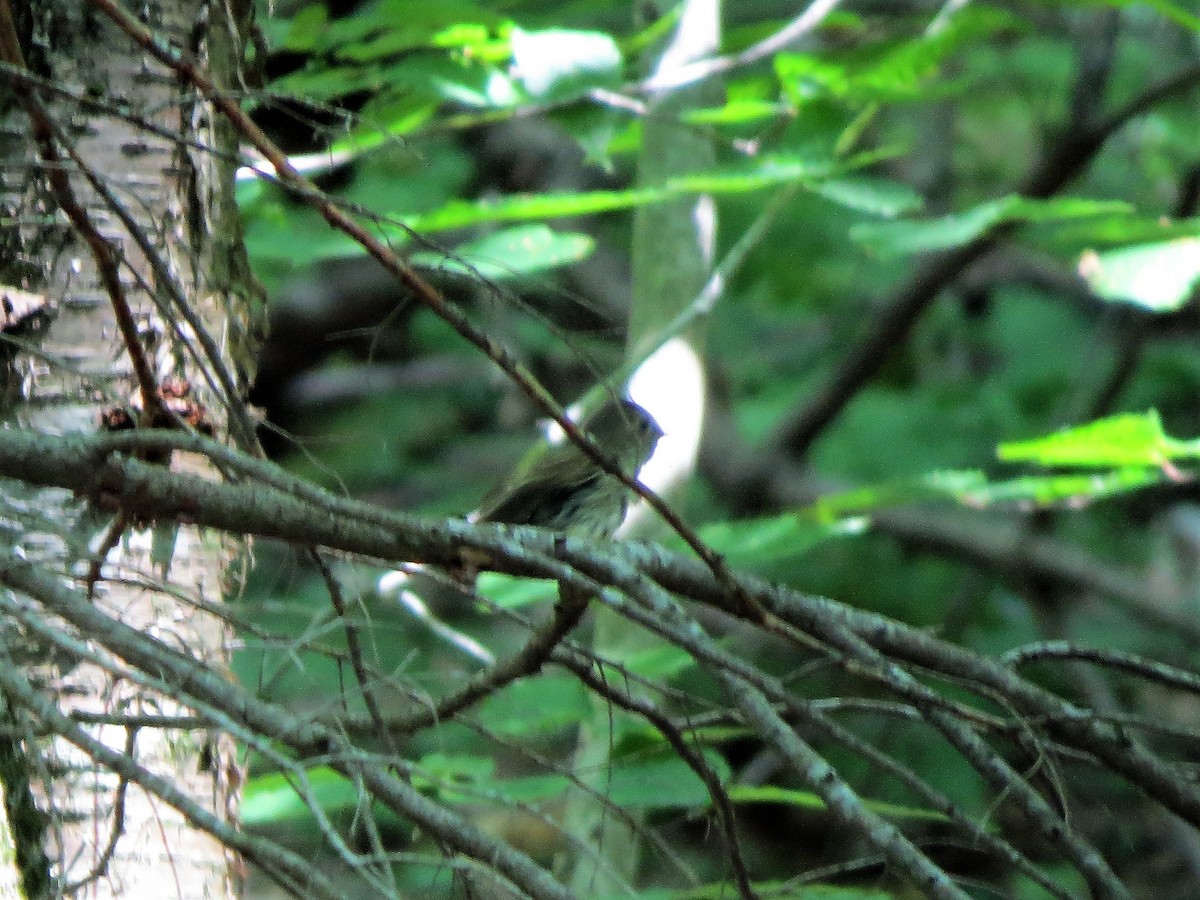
(906, 139)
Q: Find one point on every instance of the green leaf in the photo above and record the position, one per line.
(509, 592)
(536, 706)
(887, 71)
(324, 83)
(1160, 277)
(973, 489)
(658, 782)
(876, 196)
(272, 798)
(397, 26)
(1045, 491)
(385, 119)
(658, 662)
(753, 543)
(954, 230)
(735, 112)
(808, 800)
(299, 236)
(1114, 232)
(306, 27)
(457, 767)
(522, 250)
(662, 782)
(1125, 440)
(523, 207)
(441, 773)
(761, 173)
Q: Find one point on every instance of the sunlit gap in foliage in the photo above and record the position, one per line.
(670, 386)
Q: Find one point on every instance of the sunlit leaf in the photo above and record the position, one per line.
(736, 112)
(763, 172)
(1160, 277)
(974, 489)
(1133, 439)
(523, 207)
(890, 71)
(396, 26)
(1056, 490)
(551, 62)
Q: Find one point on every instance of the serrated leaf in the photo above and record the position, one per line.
(1131, 439)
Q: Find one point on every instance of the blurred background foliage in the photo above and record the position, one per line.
(495, 144)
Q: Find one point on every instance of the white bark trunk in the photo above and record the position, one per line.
(157, 578)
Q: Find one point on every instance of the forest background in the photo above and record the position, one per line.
(910, 287)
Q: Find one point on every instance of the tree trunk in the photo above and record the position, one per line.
(90, 121)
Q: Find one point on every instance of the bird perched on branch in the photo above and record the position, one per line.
(562, 488)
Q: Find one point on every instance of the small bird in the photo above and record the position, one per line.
(562, 488)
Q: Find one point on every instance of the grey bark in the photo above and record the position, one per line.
(162, 201)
